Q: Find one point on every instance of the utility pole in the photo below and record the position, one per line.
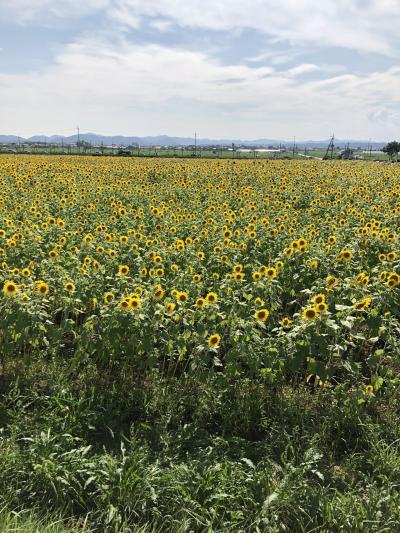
(79, 141)
(294, 145)
(195, 144)
(330, 148)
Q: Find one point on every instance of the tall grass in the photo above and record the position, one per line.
(120, 454)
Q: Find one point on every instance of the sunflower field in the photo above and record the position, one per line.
(194, 302)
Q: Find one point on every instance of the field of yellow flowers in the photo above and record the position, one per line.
(255, 274)
(246, 268)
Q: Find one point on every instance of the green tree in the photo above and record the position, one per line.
(392, 149)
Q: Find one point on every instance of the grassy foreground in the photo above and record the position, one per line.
(108, 452)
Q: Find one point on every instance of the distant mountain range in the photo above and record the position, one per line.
(165, 140)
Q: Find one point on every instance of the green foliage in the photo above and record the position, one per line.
(175, 454)
(392, 148)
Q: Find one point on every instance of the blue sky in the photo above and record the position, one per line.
(227, 68)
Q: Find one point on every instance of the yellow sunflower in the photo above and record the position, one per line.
(310, 313)
(214, 340)
(262, 315)
(10, 288)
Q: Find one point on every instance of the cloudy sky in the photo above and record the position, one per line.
(226, 68)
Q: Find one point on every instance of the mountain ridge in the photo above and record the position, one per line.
(166, 140)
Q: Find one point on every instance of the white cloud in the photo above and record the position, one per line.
(371, 25)
(25, 11)
(161, 25)
(149, 89)
(368, 25)
(274, 57)
(302, 69)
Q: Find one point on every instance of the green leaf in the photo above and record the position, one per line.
(270, 499)
(377, 382)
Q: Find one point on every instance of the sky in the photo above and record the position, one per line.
(242, 69)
